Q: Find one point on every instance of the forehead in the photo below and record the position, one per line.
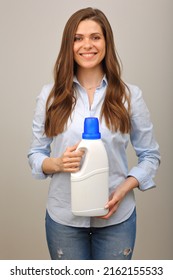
(87, 26)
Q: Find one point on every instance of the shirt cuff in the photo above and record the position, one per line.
(37, 171)
(145, 181)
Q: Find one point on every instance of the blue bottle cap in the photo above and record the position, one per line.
(91, 129)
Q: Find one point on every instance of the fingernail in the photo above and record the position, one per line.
(106, 206)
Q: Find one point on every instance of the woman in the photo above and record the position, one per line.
(87, 82)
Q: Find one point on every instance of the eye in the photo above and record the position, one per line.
(96, 38)
(77, 39)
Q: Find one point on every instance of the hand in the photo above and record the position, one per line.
(114, 201)
(117, 196)
(71, 159)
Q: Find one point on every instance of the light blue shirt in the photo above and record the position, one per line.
(141, 137)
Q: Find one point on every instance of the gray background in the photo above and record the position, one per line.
(30, 35)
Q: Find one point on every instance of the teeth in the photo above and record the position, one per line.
(87, 54)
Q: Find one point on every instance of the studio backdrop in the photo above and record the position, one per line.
(30, 37)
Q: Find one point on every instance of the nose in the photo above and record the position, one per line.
(87, 43)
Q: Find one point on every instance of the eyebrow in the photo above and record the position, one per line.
(95, 33)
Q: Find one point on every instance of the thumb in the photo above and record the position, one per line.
(112, 201)
(73, 148)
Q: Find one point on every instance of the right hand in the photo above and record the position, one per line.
(71, 159)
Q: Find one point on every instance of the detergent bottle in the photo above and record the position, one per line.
(89, 186)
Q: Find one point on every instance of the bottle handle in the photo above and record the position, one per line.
(84, 164)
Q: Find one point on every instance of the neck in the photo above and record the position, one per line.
(90, 78)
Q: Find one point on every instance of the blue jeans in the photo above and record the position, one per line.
(107, 243)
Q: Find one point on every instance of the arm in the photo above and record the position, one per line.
(68, 162)
(117, 196)
(144, 144)
(41, 163)
(40, 148)
(147, 151)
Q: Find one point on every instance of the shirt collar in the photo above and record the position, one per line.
(103, 81)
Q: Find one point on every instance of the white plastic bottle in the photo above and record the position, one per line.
(89, 186)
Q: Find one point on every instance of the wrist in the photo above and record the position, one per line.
(51, 165)
(129, 184)
(56, 165)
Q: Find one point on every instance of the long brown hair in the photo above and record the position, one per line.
(61, 101)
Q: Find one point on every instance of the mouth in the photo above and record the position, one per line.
(88, 55)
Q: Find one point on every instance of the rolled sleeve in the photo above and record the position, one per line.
(35, 162)
(145, 181)
(41, 144)
(144, 143)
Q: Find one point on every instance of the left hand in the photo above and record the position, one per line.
(117, 196)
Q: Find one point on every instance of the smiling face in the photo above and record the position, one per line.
(89, 45)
